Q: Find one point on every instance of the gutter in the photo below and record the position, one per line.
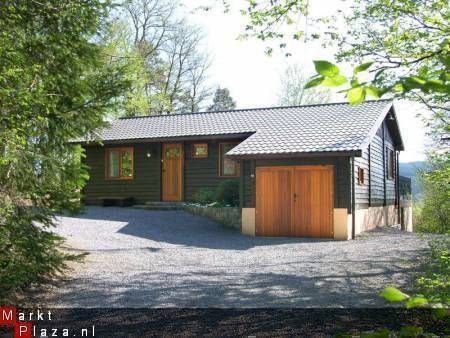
(352, 159)
(397, 189)
(276, 156)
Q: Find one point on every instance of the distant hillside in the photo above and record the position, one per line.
(410, 169)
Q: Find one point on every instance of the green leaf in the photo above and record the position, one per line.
(356, 95)
(413, 82)
(392, 294)
(416, 301)
(436, 85)
(326, 68)
(362, 67)
(398, 87)
(373, 92)
(315, 81)
(335, 81)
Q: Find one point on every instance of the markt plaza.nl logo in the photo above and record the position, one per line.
(36, 324)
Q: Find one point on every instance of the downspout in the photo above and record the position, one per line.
(241, 187)
(352, 159)
(369, 174)
(397, 188)
(241, 183)
(384, 166)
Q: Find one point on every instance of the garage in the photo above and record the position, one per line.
(294, 201)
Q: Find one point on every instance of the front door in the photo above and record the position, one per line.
(172, 172)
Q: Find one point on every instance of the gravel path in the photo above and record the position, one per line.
(139, 258)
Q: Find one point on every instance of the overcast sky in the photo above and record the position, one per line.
(254, 78)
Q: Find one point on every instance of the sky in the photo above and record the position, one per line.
(253, 78)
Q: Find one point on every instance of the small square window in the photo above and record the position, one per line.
(360, 176)
(200, 150)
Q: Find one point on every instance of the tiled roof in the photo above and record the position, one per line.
(279, 130)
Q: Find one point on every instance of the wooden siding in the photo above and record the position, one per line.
(362, 190)
(376, 178)
(202, 173)
(145, 185)
(341, 177)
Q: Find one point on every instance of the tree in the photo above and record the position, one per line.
(176, 68)
(406, 48)
(435, 209)
(222, 100)
(120, 52)
(293, 92)
(55, 85)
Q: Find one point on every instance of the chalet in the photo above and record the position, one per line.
(325, 170)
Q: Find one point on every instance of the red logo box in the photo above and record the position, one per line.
(7, 316)
(22, 330)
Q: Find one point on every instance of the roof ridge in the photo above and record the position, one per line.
(248, 109)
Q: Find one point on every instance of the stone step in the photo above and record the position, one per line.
(160, 203)
(160, 206)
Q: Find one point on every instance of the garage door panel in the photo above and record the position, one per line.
(326, 203)
(294, 201)
(302, 209)
(273, 202)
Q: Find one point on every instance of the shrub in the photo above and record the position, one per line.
(434, 283)
(29, 253)
(204, 196)
(228, 192)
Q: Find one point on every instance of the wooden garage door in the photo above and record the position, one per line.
(294, 201)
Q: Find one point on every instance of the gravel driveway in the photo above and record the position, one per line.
(139, 258)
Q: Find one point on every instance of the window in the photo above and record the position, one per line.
(390, 155)
(227, 167)
(360, 175)
(119, 163)
(200, 150)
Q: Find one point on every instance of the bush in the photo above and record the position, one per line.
(29, 254)
(204, 196)
(228, 193)
(434, 283)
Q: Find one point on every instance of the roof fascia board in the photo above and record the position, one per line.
(397, 126)
(168, 139)
(375, 127)
(356, 153)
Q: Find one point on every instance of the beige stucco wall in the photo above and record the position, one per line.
(365, 219)
(370, 218)
(342, 224)
(248, 221)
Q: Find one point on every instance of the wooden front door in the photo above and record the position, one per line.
(294, 201)
(172, 172)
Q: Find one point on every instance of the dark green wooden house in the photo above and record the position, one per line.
(328, 170)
